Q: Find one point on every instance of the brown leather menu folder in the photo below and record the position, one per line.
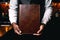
(29, 18)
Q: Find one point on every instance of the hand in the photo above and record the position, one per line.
(39, 32)
(16, 28)
(40, 29)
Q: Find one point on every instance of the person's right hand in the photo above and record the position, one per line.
(16, 28)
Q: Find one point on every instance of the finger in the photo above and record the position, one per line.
(19, 30)
(16, 31)
(37, 34)
(38, 31)
(41, 28)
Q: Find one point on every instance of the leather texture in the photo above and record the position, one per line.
(29, 18)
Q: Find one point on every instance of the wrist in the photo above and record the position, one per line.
(14, 23)
(43, 24)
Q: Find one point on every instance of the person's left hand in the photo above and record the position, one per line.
(39, 32)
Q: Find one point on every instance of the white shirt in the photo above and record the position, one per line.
(13, 12)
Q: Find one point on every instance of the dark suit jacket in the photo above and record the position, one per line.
(31, 2)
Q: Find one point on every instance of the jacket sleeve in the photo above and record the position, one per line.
(13, 11)
(48, 11)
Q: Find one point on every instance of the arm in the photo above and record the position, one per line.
(13, 15)
(46, 17)
(48, 11)
(13, 11)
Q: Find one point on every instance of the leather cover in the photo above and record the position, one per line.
(29, 18)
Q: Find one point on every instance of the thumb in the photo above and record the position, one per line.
(40, 29)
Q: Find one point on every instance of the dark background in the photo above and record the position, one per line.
(51, 30)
